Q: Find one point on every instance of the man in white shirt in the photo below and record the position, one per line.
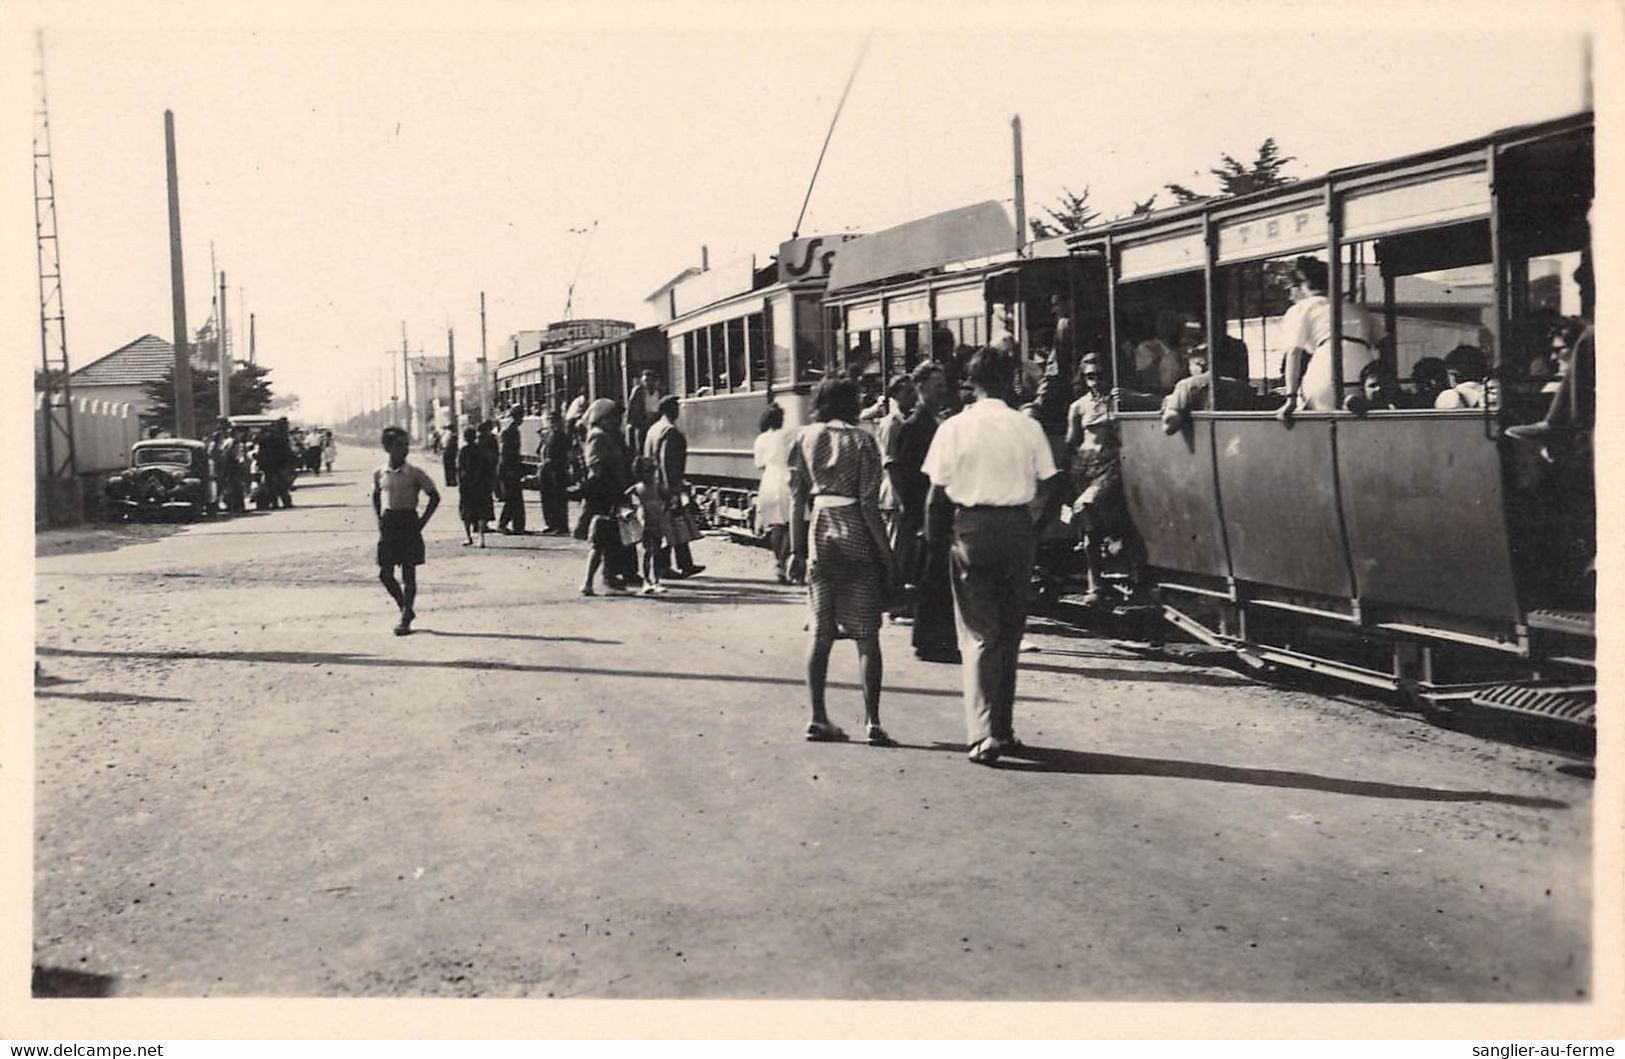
(1308, 329)
(986, 466)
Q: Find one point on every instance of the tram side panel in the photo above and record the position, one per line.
(1169, 487)
(1423, 498)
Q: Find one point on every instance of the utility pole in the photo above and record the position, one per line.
(1021, 186)
(485, 399)
(251, 359)
(406, 386)
(451, 375)
(56, 399)
(185, 420)
(225, 354)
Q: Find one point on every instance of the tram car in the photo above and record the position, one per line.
(871, 308)
(1425, 548)
(607, 367)
(737, 337)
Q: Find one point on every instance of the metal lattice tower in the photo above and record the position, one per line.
(57, 400)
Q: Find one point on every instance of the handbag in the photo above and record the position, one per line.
(682, 525)
(631, 524)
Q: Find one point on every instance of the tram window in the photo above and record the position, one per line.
(1158, 322)
(814, 346)
(904, 347)
(677, 366)
(718, 335)
(967, 334)
(756, 339)
(702, 360)
(737, 355)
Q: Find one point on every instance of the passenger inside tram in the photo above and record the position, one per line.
(1465, 366)
(1429, 379)
(1379, 390)
(1207, 382)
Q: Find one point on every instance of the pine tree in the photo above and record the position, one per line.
(250, 395)
(1074, 214)
(1238, 178)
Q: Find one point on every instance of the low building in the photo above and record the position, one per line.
(120, 377)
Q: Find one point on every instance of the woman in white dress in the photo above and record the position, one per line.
(772, 452)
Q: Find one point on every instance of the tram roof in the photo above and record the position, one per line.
(1157, 218)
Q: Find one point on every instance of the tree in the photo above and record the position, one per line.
(1142, 208)
(1074, 214)
(1236, 178)
(250, 395)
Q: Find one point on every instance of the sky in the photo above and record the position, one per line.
(356, 167)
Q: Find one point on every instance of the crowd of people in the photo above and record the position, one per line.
(256, 466)
(947, 514)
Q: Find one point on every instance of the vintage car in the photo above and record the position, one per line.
(165, 475)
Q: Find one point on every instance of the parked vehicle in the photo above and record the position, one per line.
(165, 475)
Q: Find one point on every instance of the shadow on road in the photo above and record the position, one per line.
(104, 696)
(51, 982)
(482, 665)
(517, 636)
(1083, 763)
(1183, 676)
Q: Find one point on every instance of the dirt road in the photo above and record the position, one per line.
(247, 786)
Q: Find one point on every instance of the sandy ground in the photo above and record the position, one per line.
(247, 786)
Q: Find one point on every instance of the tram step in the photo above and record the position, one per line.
(1576, 704)
(1573, 622)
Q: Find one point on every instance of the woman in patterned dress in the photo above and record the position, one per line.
(835, 472)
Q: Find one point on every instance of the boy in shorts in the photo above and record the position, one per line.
(395, 488)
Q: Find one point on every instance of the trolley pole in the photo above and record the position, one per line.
(185, 420)
(1021, 185)
(225, 354)
(485, 399)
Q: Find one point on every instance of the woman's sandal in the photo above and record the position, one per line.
(878, 737)
(824, 732)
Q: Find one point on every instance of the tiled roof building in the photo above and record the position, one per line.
(147, 359)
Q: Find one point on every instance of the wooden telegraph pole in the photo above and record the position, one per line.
(185, 420)
(485, 400)
(225, 356)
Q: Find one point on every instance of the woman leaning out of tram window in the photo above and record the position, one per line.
(835, 471)
(1308, 329)
(772, 452)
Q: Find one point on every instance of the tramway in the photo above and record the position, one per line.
(1416, 550)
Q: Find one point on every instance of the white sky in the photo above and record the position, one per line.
(360, 168)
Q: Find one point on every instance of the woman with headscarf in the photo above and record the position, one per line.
(608, 476)
(772, 453)
(835, 470)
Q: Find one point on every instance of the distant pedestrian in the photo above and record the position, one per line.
(668, 447)
(642, 409)
(772, 457)
(395, 490)
(330, 450)
(511, 476)
(608, 476)
(448, 459)
(474, 474)
(918, 562)
(556, 449)
(652, 508)
(843, 550)
(487, 441)
(986, 465)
